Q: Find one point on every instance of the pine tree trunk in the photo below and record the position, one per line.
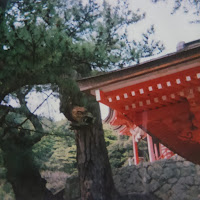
(95, 174)
(23, 175)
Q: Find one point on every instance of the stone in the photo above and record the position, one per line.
(174, 157)
(163, 196)
(122, 190)
(126, 174)
(150, 170)
(131, 180)
(136, 188)
(171, 166)
(146, 164)
(165, 188)
(178, 192)
(197, 180)
(158, 170)
(182, 181)
(161, 162)
(154, 185)
(169, 161)
(139, 196)
(179, 164)
(172, 180)
(193, 193)
(197, 169)
(146, 179)
(179, 158)
(175, 197)
(142, 171)
(189, 180)
(134, 177)
(186, 171)
(187, 163)
(177, 172)
(162, 179)
(169, 173)
(165, 179)
(155, 175)
(117, 180)
(180, 185)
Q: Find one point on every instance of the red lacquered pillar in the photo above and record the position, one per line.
(135, 151)
(150, 148)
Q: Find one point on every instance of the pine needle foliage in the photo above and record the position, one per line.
(55, 43)
(56, 152)
(49, 39)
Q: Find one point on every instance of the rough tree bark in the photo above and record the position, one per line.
(94, 169)
(17, 145)
(22, 174)
(93, 165)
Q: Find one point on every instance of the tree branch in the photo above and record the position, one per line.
(30, 114)
(33, 118)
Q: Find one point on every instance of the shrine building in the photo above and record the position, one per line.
(158, 99)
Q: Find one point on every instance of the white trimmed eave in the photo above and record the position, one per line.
(150, 76)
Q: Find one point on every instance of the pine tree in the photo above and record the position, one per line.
(56, 42)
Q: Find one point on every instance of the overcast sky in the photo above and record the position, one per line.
(170, 29)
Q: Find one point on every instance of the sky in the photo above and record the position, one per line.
(170, 29)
